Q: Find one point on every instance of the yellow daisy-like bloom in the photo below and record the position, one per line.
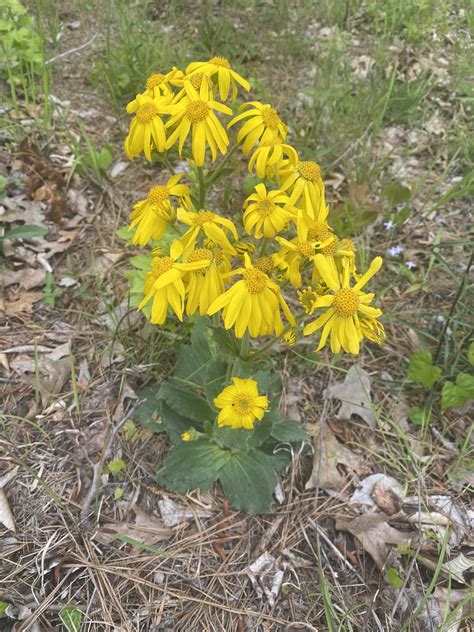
(269, 155)
(293, 253)
(195, 112)
(290, 337)
(241, 247)
(252, 303)
(263, 125)
(158, 84)
(348, 308)
(151, 216)
(269, 213)
(240, 404)
(307, 298)
(306, 188)
(226, 77)
(165, 284)
(210, 223)
(147, 130)
(339, 254)
(205, 285)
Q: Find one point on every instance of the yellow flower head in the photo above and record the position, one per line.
(207, 284)
(305, 186)
(147, 130)
(297, 251)
(268, 214)
(252, 303)
(290, 337)
(269, 155)
(307, 298)
(219, 69)
(195, 112)
(210, 223)
(240, 404)
(263, 125)
(348, 308)
(159, 83)
(164, 283)
(151, 216)
(241, 247)
(265, 264)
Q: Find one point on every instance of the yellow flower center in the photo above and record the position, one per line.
(202, 217)
(200, 254)
(348, 244)
(146, 112)
(271, 118)
(310, 171)
(155, 80)
(346, 302)
(158, 195)
(197, 111)
(242, 404)
(220, 61)
(319, 232)
(305, 248)
(160, 265)
(266, 207)
(196, 80)
(255, 280)
(265, 265)
(331, 248)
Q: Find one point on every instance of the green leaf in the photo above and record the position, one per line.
(250, 183)
(27, 231)
(225, 342)
(402, 216)
(181, 397)
(148, 411)
(394, 578)
(249, 480)
(268, 382)
(421, 369)
(200, 338)
(216, 375)
(118, 493)
(419, 416)
(116, 466)
(72, 618)
(3, 606)
(175, 424)
(187, 363)
(140, 545)
(456, 395)
(396, 193)
(193, 465)
(289, 432)
(470, 354)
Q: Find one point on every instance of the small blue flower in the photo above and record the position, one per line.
(395, 250)
(410, 265)
(389, 225)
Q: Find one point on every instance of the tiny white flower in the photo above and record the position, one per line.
(395, 250)
(410, 264)
(389, 225)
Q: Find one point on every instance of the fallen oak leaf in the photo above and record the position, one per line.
(355, 397)
(6, 516)
(329, 455)
(374, 533)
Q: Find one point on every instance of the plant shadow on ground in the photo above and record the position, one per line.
(377, 93)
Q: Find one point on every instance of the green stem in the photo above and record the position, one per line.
(168, 164)
(202, 188)
(265, 347)
(219, 169)
(263, 246)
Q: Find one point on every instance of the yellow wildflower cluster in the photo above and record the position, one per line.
(280, 242)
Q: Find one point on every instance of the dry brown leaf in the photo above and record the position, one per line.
(173, 514)
(354, 394)
(23, 304)
(6, 516)
(374, 533)
(147, 529)
(266, 575)
(28, 278)
(378, 491)
(329, 455)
